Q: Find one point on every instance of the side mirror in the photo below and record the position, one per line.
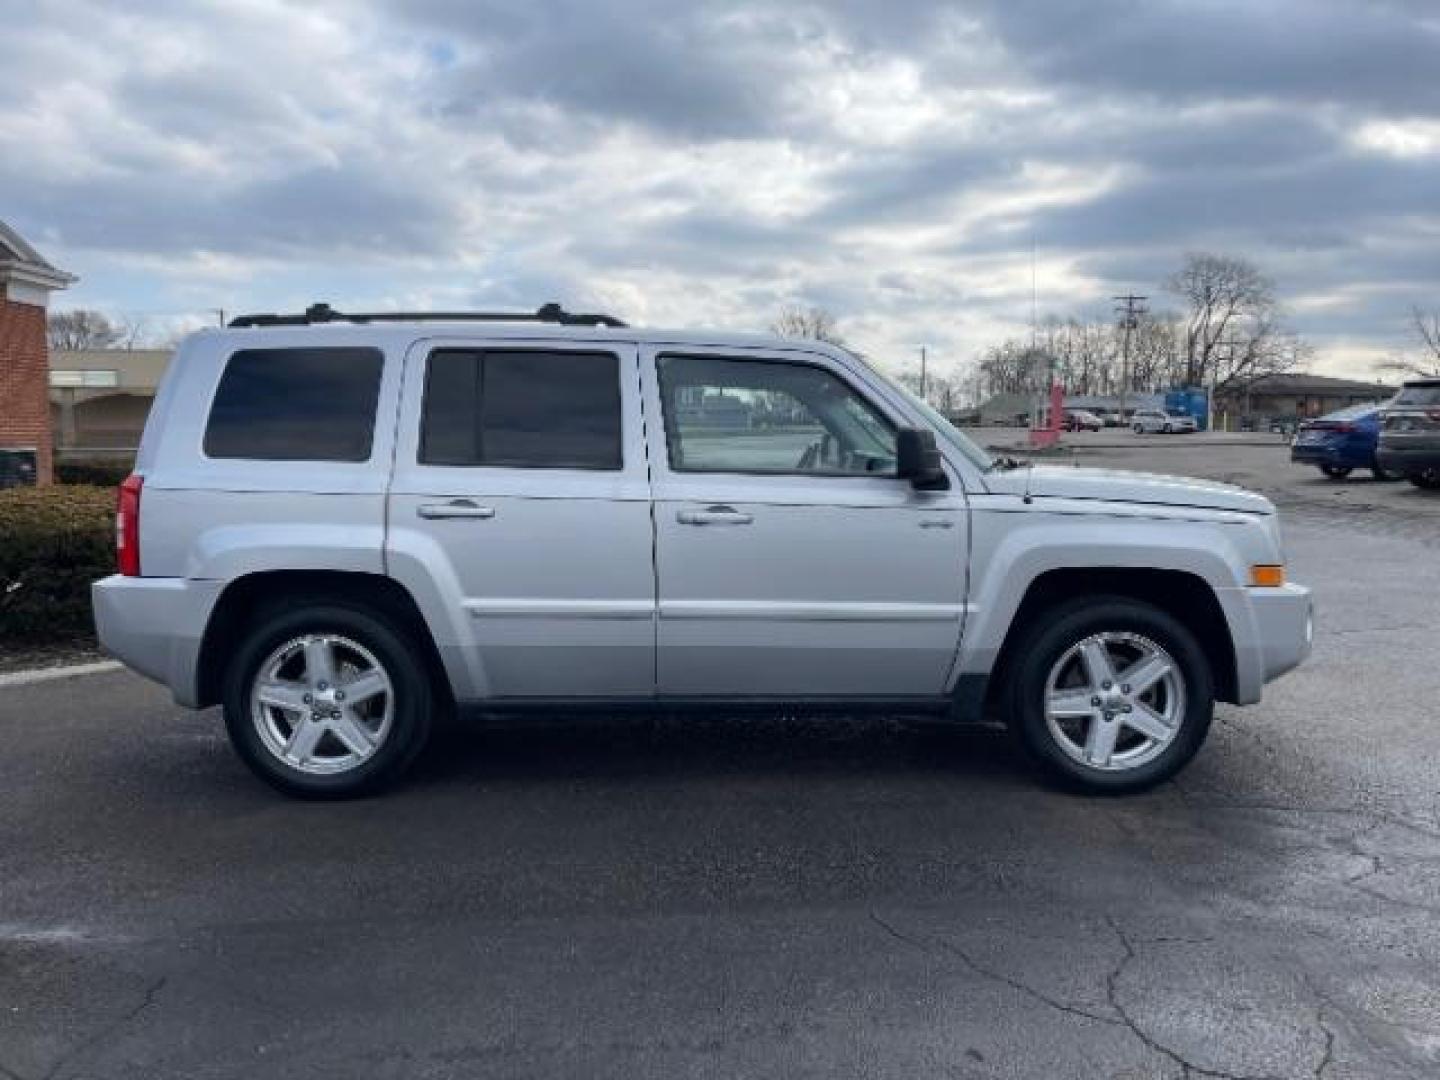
(917, 459)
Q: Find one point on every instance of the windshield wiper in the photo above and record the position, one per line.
(1005, 463)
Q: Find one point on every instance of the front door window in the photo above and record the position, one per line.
(769, 417)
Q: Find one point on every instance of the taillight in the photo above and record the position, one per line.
(127, 526)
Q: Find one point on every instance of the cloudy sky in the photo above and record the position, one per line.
(696, 162)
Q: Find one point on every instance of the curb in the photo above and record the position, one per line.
(64, 671)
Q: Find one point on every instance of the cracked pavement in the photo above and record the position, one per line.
(720, 897)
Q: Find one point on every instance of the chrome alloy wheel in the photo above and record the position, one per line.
(1114, 701)
(322, 704)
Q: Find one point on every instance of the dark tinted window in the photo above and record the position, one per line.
(296, 405)
(522, 408)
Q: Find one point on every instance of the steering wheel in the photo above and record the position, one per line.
(817, 453)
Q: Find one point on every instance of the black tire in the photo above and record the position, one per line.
(1385, 476)
(1044, 644)
(1139, 430)
(1429, 479)
(412, 707)
(1335, 472)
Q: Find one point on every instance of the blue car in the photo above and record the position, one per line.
(1342, 442)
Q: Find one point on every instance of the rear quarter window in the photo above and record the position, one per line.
(309, 404)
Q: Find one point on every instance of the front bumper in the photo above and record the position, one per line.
(155, 626)
(1273, 630)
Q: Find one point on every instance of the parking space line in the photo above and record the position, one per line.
(39, 675)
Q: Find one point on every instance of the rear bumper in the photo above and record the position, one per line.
(155, 626)
(1273, 631)
(1338, 457)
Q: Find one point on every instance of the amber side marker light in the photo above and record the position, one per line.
(1266, 576)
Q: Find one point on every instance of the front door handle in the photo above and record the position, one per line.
(714, 515)
(455, 508)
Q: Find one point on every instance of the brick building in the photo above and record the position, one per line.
(26, 282)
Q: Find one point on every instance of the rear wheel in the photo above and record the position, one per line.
(1429, 479)
(327, 701)
(1335, 472)
(1385, 475)
(1111, 695)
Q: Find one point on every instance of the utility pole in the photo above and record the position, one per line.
(219, 314)
(1128, 308)
(1229, 345)
(922, 373)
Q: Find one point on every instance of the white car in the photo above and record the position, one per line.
(1150, 421)
(340, 526)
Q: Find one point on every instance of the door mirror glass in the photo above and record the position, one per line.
(917, 459)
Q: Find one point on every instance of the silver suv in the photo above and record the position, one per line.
(341, 526)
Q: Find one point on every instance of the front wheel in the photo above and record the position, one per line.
(1429, 479)
(1335, 472)
(327, 701)
(1111, 695)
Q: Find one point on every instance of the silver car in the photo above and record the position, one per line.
(1163, 422)
(341, 526)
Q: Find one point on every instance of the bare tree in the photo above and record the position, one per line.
(1157, 352)
(1233, 330)
(813, 323)
(1425, 325)
(133, 332)
(1427, 328)
(81, 328)
(1015, 367)
(944, 392)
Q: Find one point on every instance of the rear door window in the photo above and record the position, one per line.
(522, 408)
(312, 404)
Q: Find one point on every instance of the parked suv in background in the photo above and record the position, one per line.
(340, 526)
(1081, 420)
(1410, 433)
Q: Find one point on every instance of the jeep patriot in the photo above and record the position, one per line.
(341, 526)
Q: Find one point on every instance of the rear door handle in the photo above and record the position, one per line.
(714, 515)
(455, 508)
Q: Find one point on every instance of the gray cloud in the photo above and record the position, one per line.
(1374, 56)
(705, 161)
(676, 68)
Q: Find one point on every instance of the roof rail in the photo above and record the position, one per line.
(324, 313)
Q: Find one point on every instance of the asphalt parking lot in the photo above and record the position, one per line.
(721, 897)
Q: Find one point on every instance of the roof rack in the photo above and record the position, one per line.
(324, 313)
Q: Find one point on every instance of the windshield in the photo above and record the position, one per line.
(943, 427)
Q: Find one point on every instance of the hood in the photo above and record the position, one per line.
(1114, 485)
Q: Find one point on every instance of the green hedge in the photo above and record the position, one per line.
(96, 472)
(54, 541)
